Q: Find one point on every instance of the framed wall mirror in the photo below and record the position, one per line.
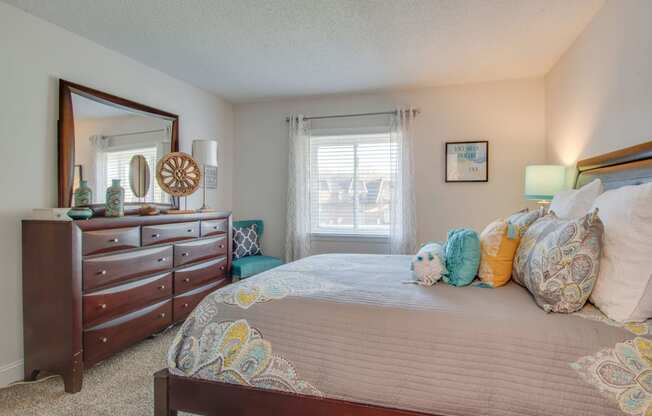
(103, 137)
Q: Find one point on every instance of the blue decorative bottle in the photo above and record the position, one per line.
(83, 195)
(115, 200)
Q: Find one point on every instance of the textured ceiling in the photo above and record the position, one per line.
(245, 50)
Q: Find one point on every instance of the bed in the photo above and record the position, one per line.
(350, 335)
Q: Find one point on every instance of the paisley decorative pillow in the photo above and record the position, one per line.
(246, 241)
(558, 261)
(524, 218)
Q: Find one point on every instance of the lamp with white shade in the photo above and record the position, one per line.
(205, 153)
(542, 182)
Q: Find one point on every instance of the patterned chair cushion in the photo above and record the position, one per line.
(246, 241)
(558, 261)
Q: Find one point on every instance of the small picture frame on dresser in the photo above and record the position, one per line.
(467, 161)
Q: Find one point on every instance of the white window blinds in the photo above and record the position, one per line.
(117, 167)
(350, 184)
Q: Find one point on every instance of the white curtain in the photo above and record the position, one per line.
(297, 237)
(403, 221)
(97, 178)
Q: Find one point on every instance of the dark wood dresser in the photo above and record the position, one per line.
(93, 287)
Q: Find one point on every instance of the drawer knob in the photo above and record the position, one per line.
(189, 230)
(157, 235)
(187, 280)
(185, 305)
(162, 259)
(186, 254)
(162, 315)
(215, 227)
(104, 340)
(222, 267)
(103, 306)
(221, 245)
(162, 287)
(102, 272)
(114, 240)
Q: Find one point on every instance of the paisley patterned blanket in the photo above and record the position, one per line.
(350, 327)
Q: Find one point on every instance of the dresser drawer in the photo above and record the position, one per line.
(103, 340)
(185, 253)
(102, 241)
(213, 227)
(113, 302)
(105, 270)
(186, 303)
(197, 275)
(156, 234)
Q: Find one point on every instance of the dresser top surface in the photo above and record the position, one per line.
(101, 223)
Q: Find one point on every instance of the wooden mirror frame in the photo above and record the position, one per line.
(66, 140)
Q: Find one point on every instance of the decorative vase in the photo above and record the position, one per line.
(83, 195)
(115, 200)
(80, 213)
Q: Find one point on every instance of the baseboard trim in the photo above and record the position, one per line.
(11, 372)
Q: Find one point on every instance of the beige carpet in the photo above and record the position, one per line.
(122, 385)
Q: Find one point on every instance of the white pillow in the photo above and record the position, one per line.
(623, 290)
(429, 264)
(576, 203)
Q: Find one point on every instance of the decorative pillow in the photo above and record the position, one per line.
(246, 241)
(524, 218)
(623, 291)
(576, 203)
(462, 252)
(429, 264)
(558, 261)
(498, 244)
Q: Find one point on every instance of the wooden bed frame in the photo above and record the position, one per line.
(172, 393)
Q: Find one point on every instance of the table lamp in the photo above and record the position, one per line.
(542, 182)
(205, 153)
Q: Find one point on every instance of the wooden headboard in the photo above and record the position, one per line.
(629, 166)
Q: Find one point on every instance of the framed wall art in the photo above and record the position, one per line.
(467, 161)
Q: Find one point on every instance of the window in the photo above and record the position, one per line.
(350, 184)
(117, 167)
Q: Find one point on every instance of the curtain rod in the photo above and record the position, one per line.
(135, 133)
(414, 111)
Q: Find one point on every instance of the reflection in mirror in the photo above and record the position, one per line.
(139, 177)
(107, 138)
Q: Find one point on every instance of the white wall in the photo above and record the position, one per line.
(509, 114)
(34, 55)
(599, 95)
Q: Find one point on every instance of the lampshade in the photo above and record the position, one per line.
(542, 182)
(205, 152)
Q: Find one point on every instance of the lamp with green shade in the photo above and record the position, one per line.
(542, 182)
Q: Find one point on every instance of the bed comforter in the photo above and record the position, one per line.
(352, 327)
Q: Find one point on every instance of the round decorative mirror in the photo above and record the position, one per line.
(139, 176)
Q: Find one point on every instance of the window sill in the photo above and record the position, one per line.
(370, 238)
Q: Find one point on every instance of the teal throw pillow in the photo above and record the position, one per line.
(462, 253)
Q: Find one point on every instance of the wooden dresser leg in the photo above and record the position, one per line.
(73, 376)
(72, 381)
(161, 397)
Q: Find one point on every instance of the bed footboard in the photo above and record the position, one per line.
(209, 398)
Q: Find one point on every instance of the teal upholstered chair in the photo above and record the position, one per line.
(248, 266)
